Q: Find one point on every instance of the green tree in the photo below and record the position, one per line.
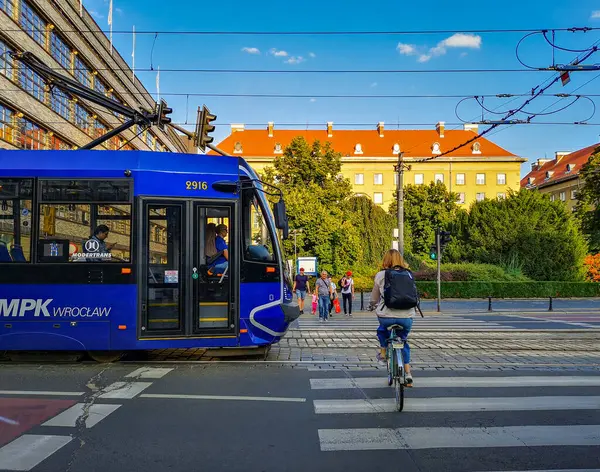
(587, 209)
(315, 193)
(525, 230)
(426, 207)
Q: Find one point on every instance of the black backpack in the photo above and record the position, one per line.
(400, 289)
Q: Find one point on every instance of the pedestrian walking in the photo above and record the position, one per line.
(301, 286)
(347, 289)
(323, 291)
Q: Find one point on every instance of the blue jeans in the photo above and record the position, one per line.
(323, 306)
(383, 334)
(220, 268)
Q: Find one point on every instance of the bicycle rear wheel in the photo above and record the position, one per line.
(390, 364)
(399, 380)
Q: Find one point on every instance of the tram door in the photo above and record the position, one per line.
(189, 287)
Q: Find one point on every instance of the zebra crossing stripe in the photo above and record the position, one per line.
(453, 404)
(27, 451)
(361, 439)
(461, 382)
(95, 414)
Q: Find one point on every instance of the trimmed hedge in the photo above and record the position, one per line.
(500, 289)
(510, 289)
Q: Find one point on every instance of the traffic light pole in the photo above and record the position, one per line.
(439, 269)
(400, 168)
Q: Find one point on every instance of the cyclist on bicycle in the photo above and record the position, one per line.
(388, 316)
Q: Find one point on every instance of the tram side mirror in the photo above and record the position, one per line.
(281, 220)
(226, 186)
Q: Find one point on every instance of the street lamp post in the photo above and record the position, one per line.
(400, 168)
(296, 231)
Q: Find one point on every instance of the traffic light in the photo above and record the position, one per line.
(433, 252)
(161, 114)
(203, 128)
(445, 238)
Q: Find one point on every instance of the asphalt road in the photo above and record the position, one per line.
(256, 417)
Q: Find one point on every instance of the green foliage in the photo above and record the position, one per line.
(509, 289)
(525, 231)
(588, 204)
(469, 272)
(426, 207)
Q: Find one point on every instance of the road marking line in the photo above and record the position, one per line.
(454, 382)
(125, 390)
(149, 373)
(8, 421)
(40, 392)
(68, 418)
(222, 397)
(551, 470)
(433, 438)
(452, 404)
(29, 450)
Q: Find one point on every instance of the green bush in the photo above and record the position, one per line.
(466, 272)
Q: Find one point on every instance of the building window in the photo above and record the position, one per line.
(82, 73)
(480, 179)
(82, 118)
(552, 197)
(359, 179)
(32, 24)
(31, 136)
(33, 83)
(99, 129)
(15, 220)
(6, 120)
(439, 178)
(501, 195)
(419, 179)
(501, 179)
(60, 51)
(562, 196)
(278, 149)
(237, 148)
(480, 196)
(7, 6)
(58, 144)
(59, 101)
(461, 198)
(378, 179)
(460, 179)
(149, 140)
(99, 86)
(5, 60)
(476, 148)
(358, 149)
(573, 194)
(378, 198)
(435, 149)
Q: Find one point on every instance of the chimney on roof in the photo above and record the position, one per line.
(558, 155)
(270, 127)
(236, 127)
(329, 129)
(471, 127)
(380, 128)
(440, 128)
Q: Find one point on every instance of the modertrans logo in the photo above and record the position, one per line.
(43, 307)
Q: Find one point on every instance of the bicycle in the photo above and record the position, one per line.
(395, 364)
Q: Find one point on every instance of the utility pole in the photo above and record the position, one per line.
(400, 168)
(439, 269)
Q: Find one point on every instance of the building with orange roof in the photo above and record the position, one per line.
(559, 177)
(476, 171)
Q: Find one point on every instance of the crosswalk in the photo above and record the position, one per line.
(428, 323)
(469, 411)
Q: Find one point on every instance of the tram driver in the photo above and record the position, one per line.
(97, 244)
(221, 263)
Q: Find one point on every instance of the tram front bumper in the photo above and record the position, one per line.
(291, 311)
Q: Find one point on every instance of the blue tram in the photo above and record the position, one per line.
(149, 284)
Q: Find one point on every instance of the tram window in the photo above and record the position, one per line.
(85, 190)
(258, 242)
(76, 223)
(15, 220)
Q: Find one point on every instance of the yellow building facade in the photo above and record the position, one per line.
(476, 171)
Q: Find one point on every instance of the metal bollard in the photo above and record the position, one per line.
(489, 303)
(362, 301)
(550, 307)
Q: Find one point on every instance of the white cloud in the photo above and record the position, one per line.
(295, 60)
(424, 58)
(278, 53)
(374, 84)
(119, 11)
(461, 40)
(251, 50)
(406, 49)
(95, 14)
(312, 54)
(313, 100)
(596, 15)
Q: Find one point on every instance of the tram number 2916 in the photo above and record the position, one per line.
(196, 185)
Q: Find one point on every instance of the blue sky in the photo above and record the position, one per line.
(423, 52)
